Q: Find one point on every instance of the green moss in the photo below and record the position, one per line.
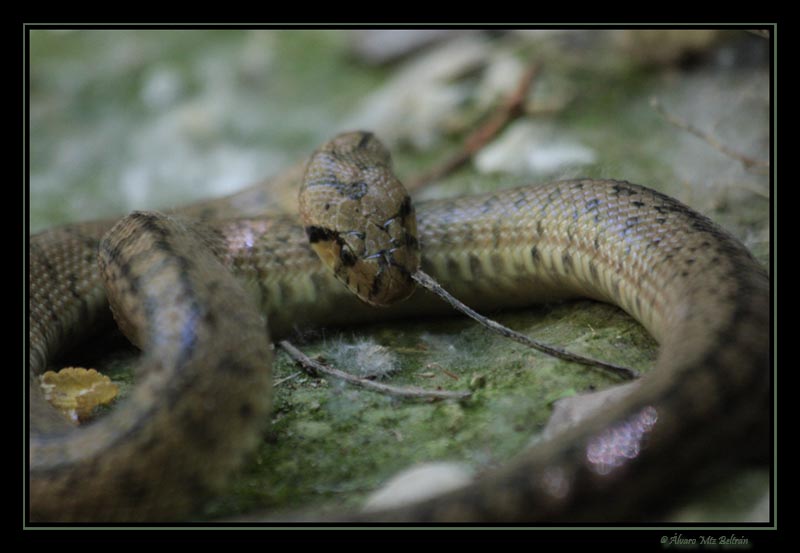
(331, 442)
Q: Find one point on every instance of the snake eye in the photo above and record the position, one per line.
(347, 257)
(319, 234)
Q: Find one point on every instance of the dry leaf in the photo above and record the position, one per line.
(77, 391)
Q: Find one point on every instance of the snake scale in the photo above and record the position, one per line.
(203, 381)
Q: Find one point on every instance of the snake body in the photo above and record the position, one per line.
(204, 384)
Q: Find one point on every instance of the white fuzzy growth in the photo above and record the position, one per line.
(365, 358)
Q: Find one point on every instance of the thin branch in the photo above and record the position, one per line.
(282, 380)
(429, 283)
(314, 368)
(714, 142)
(512, 109)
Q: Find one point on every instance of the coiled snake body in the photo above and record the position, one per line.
(203, 390)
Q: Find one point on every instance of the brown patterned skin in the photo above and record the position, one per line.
(173, 299)
(360, 220)
(693, 286)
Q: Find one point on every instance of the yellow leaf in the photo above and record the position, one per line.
(76, 391)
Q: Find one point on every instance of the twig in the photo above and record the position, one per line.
(763, 192)
(451, 374)
(747, 161)
(511, 109)
(314, 368)
(429, 283)
(282, 380)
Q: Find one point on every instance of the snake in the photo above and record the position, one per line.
(204, 290)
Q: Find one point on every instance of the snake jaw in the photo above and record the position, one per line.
(379, 279)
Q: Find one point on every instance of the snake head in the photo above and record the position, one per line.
(359, 218)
